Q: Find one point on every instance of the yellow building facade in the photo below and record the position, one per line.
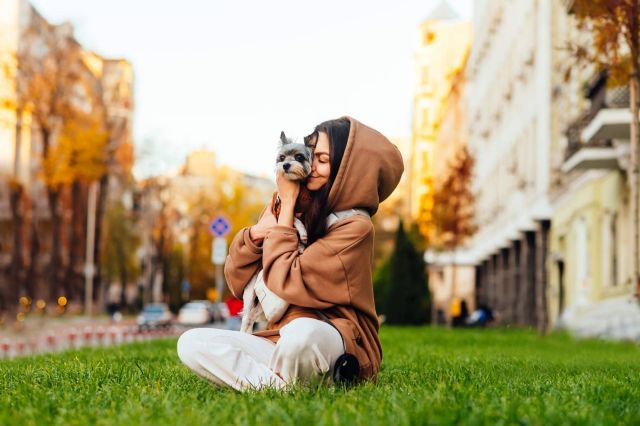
(445, 41)
(590, 259)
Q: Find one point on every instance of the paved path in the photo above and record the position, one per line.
(615, 319)
(41, 335)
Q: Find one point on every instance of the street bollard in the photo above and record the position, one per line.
(6, 348)
(100, 333)
(125, 334)
(33, 346)
(114, 334)
(72, 336)
(88, 336)
(51, 341)
(20, 348)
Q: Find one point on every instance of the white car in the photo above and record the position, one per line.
(195, 313)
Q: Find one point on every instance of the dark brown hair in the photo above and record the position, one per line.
(315, 217)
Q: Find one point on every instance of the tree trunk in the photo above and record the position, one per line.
(72, 280)
(122, 266)
(634, 183)
(17, 261)
(53, 196)
(97, 248)
(454, 283)
(34, 250)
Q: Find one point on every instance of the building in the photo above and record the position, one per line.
(590, 256)
(438, 129)
(43, 254)
(512, 139)
(451, 274)
(444, 44)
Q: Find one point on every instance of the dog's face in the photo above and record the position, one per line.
(294, 159)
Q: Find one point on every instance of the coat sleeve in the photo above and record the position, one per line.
(242, 262)
(329, 270)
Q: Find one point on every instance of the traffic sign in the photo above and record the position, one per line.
(219, 226)
(218, 251)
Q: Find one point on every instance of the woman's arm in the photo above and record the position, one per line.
(329, 270)
(242, 262)
(245, 253)
(288, 192)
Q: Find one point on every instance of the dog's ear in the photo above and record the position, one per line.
(283, 139)
(311, 140)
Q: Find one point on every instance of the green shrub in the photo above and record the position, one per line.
(402, 285)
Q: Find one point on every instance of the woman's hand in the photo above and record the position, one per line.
(288, 192)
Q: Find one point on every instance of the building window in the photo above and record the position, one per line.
(429, 37)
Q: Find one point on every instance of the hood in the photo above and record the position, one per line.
(370, 170)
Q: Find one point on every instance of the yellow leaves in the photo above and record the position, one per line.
(125, 156)
(446, 210)
(614, 33)
(79, 154)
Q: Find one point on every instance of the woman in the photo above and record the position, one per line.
(328, 286)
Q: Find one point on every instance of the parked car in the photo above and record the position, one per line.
(155, 315)
(197, 312)
(220, 312)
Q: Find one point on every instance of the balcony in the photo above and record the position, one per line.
(591, 137)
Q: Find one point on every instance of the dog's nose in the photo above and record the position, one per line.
(286, 166)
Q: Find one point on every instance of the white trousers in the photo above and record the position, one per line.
(307, 347)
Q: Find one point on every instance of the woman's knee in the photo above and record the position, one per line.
(188, 345)
(299, 335)
(308, 343)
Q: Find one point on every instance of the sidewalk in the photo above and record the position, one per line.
(614, 319)
(53, 334)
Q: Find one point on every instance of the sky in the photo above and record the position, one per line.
(228, 75)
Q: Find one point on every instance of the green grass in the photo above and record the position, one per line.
(429, 376)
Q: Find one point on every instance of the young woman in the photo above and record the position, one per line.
(328, 286)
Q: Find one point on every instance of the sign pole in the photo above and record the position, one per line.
(219, 227)
(219, 282)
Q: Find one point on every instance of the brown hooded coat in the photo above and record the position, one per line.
(333, 274)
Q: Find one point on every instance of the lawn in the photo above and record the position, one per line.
(429, 376)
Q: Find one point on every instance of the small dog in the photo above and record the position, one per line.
(294, 159)
(294, 162)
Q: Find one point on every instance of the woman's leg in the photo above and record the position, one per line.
(229, 358)
(307, 348)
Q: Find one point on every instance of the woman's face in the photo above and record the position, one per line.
(321, 166)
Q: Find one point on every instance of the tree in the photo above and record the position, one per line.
(452, 215)
(120, 245)
(381, 284)
(453, 211)
(48, 85)
(615, 47)
(424, 221)
(8, 107)
(407, 296)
